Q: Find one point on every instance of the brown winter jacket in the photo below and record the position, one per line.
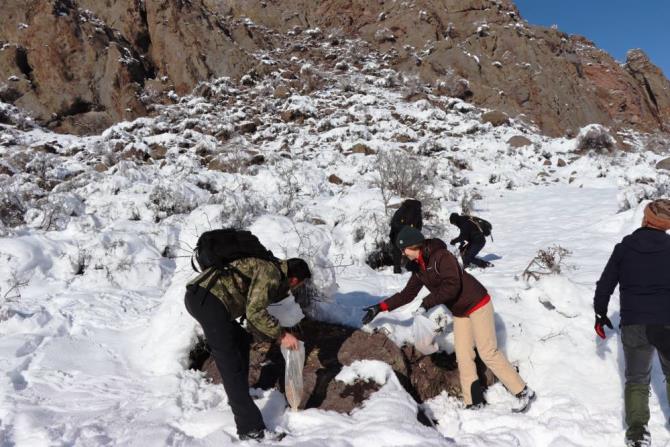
(443, 277)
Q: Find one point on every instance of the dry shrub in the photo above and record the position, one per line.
(550, 261)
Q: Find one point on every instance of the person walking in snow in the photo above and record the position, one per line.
(640, 265)
(436, 268)
(471, 240)
(409, 213)
(217, 299)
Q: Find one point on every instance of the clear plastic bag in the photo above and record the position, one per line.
(424, 330)
(295, 362)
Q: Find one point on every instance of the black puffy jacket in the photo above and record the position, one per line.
(640, 264)
(409, 213)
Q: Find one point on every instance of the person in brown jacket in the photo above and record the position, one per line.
(470, 304)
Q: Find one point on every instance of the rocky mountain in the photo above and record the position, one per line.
(80, 65)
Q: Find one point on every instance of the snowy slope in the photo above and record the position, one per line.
(94, 338)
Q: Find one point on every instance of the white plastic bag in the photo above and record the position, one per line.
(295, 362)
(424, 330)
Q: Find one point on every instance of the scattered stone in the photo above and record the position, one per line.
(664, 164)
(518, 141)
(157, 151)
(495, 117)
(561, 163)
(335, 179)
(361, 148)
(247, 127)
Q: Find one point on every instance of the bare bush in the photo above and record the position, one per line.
(12, 209)
(167, 200)
(636, 193)
(289, 189)
(400, 174)
(468, 202)
(81, 261)
(595, 137)
(240, 205)
(550, 261)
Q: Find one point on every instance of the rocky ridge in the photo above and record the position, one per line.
(79, 66)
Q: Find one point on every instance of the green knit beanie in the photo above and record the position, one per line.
(409, 236)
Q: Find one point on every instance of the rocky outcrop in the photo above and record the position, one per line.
(483, 51)
(79, 65)
(656, 85)
(329, 347)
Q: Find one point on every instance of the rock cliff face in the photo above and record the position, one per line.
(80, 65)
(483, 51)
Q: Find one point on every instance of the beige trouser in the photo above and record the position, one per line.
(478, 330)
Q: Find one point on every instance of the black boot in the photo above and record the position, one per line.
(477, 393)
(523, 400)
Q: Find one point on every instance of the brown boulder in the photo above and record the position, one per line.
(360, 148)
(332, 178)
(246, 127)
(518, 141)
(495, 117)
(157, 151)
(664, 164)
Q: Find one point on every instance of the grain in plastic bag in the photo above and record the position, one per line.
(423, 331)
(295, 362)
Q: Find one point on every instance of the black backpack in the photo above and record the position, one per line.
(218, 248)
(409, 213)
(482, 224)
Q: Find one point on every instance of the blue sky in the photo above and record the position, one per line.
(614, 25)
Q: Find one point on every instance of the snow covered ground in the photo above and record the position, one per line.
(94, 337)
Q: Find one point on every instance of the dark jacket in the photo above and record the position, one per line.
(409, 213)
(470, 232)
(640, 264)
(248, 290)
(448, 284)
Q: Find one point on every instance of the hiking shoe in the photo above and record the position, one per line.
(262, 435)
(475, 406)
(255, 435)
(641, 439)
(523, 400)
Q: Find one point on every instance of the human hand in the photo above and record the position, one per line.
(370, 313)
(289, 341)
(601, 322)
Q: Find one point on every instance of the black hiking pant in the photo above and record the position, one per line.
(639, 343)
(470, 254)
(229, 344)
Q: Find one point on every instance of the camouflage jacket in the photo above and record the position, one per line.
(249, 288)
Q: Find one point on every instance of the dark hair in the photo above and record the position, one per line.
(298, 268)
(453, 218)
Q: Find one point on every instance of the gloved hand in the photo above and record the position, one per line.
(412, 266)
(601, 321)
(453, 241)
(370, 313)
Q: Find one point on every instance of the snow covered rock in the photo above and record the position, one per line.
(331, 347)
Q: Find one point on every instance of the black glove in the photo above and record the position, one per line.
(453, 241)
(601, 322)
(412, 266)
(370, 313)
